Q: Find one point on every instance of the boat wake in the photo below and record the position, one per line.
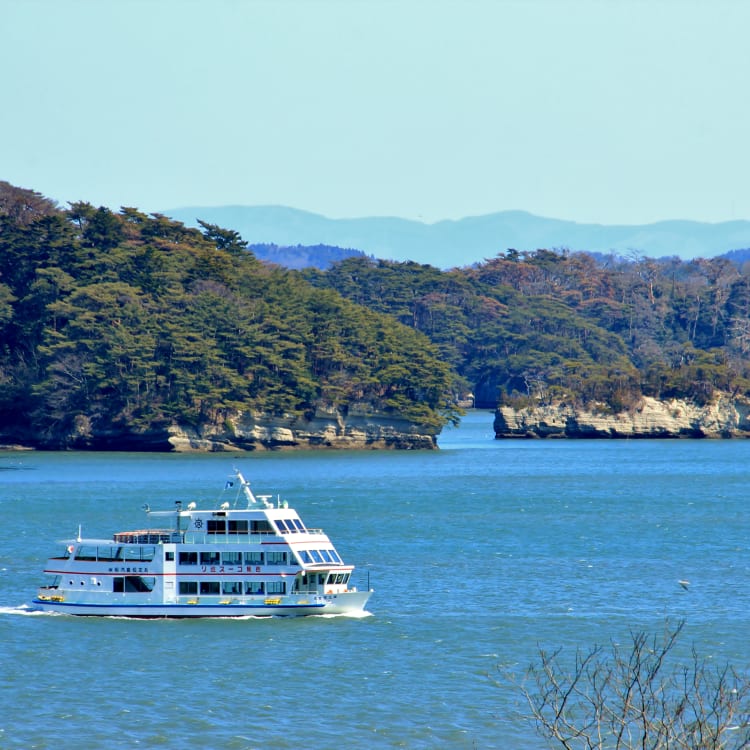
(26, 610)
(358, 615)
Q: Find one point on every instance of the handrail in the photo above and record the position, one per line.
(233, 537)
(204, 537)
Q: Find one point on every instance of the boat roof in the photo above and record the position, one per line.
(83, 540)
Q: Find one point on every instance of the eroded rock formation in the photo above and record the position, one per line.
(725, 417)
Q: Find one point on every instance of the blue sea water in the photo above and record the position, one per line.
(479, 554)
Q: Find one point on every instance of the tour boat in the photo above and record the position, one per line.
(256, 560)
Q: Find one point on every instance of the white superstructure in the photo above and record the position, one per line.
(257, 560)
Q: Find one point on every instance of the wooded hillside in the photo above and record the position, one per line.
(126, 321)
(556, 326)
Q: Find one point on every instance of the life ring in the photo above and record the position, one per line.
(71, 549)
(330, 591)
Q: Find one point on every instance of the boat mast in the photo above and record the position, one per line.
(248, 493)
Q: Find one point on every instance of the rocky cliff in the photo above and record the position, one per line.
(360, 428)
(725, 417)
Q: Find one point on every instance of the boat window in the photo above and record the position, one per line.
(261, 527)
(238, 527)
(169, 556)
(299, 525)
(209, 558)
(140, 583)
(108, 554)
(331, 578)
(253, 558)
(316, 556)
(231, 587)
(133, 584)
(86, 553)
(253, 587)
(326, 557)
(209, 587)
(66, 553)
(276, 587)
(231, 558)
(305, 556)
(139, 554)
(188, 558)
(276, 558)
(281, 526)
(335, 556)
(188, 588)
(340, 578)
(216, 527)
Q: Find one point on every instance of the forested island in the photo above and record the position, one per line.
(131, 331)
(122, 330)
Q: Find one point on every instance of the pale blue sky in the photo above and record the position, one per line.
(592, 111)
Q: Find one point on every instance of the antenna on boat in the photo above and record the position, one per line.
(246, 491)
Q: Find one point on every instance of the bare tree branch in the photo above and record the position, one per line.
(637, 697)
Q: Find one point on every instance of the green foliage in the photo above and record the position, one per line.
(545, 326)
(130, 321)
(125, 322)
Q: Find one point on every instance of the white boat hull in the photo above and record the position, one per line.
(341, 604)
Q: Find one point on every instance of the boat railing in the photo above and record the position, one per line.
(306, 532)
(360, 580)
(203, 537)
(152, 536)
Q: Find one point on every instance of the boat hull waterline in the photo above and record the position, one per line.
(183, 611)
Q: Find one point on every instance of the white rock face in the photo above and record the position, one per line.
(724, 417)
(358, 429)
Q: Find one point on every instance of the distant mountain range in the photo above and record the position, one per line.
(448, 244)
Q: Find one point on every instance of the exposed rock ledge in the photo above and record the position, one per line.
(360, 428)
(723, 418)
(327, 429)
